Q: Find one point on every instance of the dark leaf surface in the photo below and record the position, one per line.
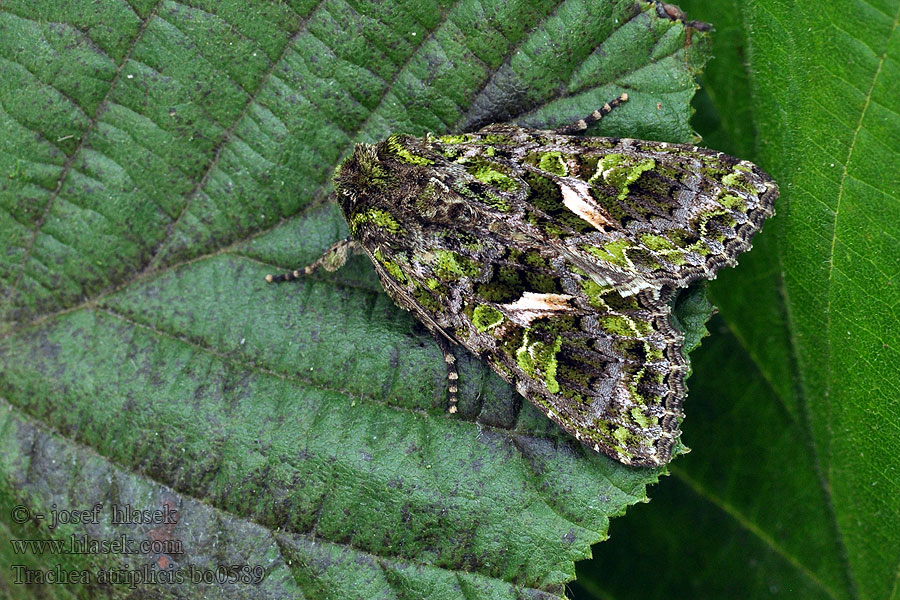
(797, 411)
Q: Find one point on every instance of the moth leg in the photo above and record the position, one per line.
(582, 124)
(331, 260)
(452, 373)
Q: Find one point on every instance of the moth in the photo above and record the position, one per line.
(555, 258)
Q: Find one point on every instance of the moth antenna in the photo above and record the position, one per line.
(289, 276)
(452, 373)
(332, 259)
(581, 124)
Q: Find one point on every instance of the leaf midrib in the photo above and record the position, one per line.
(800, 384)
(837, 209)
(831, 268)
(749, 526)
(802, 390)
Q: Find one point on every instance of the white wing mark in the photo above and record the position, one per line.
(533, 306)
(577, 198)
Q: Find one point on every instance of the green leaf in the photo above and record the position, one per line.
(796, 412)
(159, 159)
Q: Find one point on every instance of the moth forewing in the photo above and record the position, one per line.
(555, 257)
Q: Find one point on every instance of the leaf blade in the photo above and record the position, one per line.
(200, 168)
(811, 304)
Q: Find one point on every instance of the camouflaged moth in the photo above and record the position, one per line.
(555, 258)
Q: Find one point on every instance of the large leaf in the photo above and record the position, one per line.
(798, 413)
(159, 159)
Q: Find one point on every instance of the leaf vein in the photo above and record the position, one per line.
(70, 160)
(751, 527)
(226, 138)
(281, 540)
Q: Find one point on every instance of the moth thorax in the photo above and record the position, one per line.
(436, 202)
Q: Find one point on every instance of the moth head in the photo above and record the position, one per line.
(393, 187)
(359, 178)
